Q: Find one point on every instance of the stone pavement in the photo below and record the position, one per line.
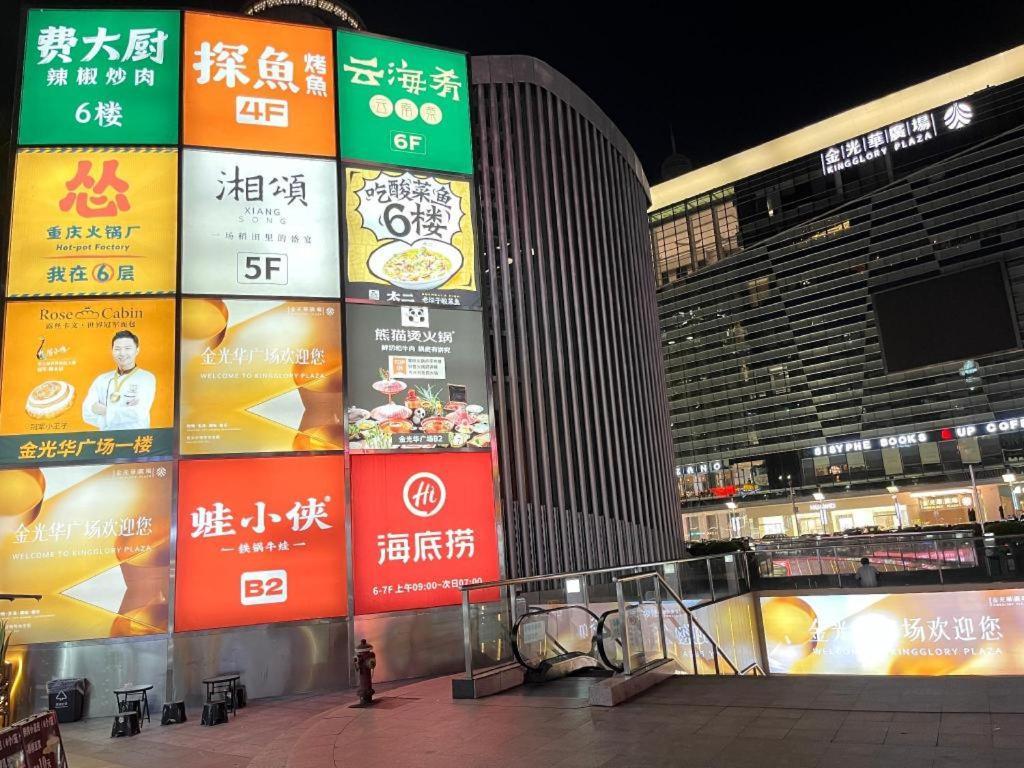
(789, 722)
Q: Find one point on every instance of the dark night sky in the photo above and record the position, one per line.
(725, 81)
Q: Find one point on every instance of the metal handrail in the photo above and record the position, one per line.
(593, 572)
(660, 583)
(865, 541)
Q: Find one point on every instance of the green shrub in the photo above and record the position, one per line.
(1005, 528)
(717, 547)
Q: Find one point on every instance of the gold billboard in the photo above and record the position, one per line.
(94, 542)
(260, 376)
(969, 632)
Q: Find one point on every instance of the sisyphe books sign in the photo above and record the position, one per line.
(898, 136)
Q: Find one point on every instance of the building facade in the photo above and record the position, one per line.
(770, 265)
(569, 291)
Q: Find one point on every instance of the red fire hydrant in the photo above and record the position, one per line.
(365, 660)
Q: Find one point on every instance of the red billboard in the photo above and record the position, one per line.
(259, 541)
(422, 526)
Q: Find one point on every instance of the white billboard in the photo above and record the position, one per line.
(259, 225)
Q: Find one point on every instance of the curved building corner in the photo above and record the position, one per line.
(579, 390)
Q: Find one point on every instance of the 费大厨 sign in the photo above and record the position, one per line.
(100, 77)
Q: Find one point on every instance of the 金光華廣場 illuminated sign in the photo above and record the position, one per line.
(896, 137)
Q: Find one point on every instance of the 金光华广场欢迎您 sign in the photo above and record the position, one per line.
(403, 104)
(260, 376)
(94, 540)
(93, 222)
(100, 77)
(410, 239)
(974, 632)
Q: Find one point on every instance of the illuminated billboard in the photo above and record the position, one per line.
(410, 239)
(403, 104)
(260, 376)
(94, 541)
(87, 380)
(93, 221)
(416, 379)
(975, 632)
(259, 225)
(260, 540)
(254, 84)
(422, 526)
(100, 77)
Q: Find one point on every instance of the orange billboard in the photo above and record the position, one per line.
(94, 541)
(254, 84)
(259, 541)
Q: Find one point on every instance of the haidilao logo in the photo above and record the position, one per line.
(424, 494)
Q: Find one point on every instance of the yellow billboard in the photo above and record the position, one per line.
(410, 239)
(94, 542)
(87, 380)
(90, 222)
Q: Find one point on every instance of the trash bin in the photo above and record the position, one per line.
(67, 698)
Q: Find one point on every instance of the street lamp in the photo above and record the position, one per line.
(818, 495)
(792, 501)
(1009, 477)
(893, 489)
(731, 505)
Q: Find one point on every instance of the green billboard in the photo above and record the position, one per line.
(100, 77)
(403, 104)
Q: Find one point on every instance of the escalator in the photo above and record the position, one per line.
(566, 641)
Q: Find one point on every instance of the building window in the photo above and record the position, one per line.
(780, 379)
(695, 234)
(758, 290)
(672, 250)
